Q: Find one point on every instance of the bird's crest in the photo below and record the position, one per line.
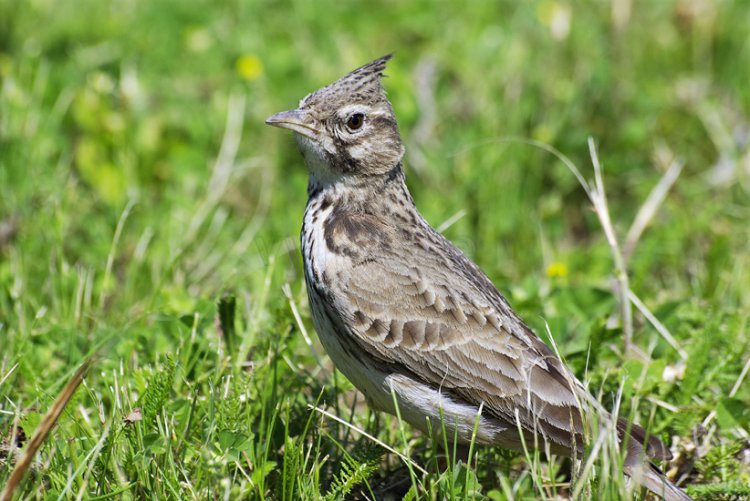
(362, 84)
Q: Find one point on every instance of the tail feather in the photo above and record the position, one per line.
(654, 480)
(643, 447)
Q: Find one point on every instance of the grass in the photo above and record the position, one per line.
(149, 217)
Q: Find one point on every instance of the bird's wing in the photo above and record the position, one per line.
(430, 310)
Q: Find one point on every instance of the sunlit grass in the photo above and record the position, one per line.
(139, 187)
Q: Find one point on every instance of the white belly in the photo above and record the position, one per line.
(320, 262)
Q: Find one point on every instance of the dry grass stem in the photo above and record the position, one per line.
(43, 431)
(650, 206)
(598, 198)
(660, 328)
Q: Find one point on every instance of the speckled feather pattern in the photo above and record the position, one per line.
(395, 296)
(404, 313)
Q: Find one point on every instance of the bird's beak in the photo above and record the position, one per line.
(299, 121)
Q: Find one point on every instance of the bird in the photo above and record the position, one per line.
(407, 317)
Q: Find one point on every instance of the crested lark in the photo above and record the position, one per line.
(402, 312)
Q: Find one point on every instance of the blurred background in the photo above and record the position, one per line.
(138, 182)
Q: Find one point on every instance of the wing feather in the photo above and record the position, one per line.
(452, 329)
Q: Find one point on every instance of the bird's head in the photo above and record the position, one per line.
(346, 130)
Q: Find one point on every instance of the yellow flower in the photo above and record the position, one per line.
(557, 269)
(249, 67)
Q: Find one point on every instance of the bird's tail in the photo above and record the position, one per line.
(642, 447)
(650, 477)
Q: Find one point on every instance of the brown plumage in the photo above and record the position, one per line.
(401, 311)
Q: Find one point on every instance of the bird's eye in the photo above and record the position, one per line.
(355, 121)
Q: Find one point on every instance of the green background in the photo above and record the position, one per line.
(138, 185)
